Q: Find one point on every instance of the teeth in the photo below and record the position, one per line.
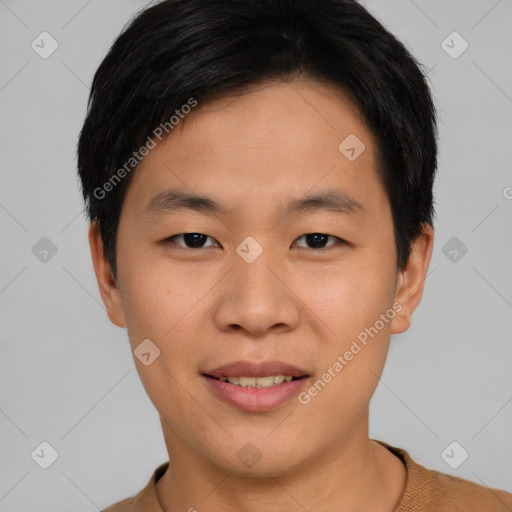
(245, 382)
(257, 382)
(276, 379)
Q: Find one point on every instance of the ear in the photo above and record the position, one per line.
(108, 286)
(411, 280)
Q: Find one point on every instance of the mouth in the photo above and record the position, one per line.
(256, 387)
(266, 381)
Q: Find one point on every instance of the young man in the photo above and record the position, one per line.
(258, 176)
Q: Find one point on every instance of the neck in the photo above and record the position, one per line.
(354, 473)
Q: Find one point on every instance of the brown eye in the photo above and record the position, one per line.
(318, 240)
(191, 240)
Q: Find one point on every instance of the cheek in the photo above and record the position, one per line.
(162, 303)
(151, 299)
(353, 358)
(350, 295)
(355, 302)
(156, 309)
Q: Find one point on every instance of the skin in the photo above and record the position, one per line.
(204, 307)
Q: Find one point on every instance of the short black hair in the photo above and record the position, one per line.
(178, 50)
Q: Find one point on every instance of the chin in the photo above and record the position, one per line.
(259, 459)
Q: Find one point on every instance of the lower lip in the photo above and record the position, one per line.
(256, 399)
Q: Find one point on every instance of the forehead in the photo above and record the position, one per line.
(289, 115)
(277, 140)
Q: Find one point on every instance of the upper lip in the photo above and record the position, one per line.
(251, 369)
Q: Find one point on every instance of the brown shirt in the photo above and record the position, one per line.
(425, 491)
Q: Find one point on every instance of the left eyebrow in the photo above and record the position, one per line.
(331, 200)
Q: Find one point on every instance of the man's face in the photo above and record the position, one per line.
(255, 283)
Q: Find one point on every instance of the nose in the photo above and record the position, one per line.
(258, 298)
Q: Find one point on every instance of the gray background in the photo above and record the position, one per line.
(67, 376)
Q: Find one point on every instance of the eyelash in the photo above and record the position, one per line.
(169, 240)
